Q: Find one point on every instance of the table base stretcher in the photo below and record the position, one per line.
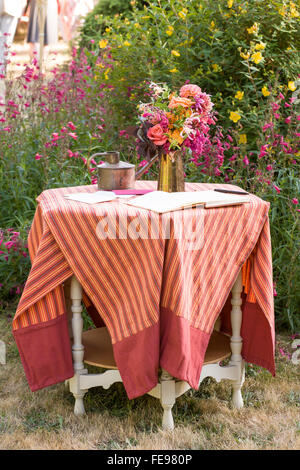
(94, 347)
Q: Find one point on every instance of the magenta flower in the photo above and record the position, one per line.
(277, 189)
(73, 135)
(38, 156)
(71, 126)
(295, 200)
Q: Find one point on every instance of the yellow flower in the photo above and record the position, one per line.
(174, 70)
(107, 30)
(106, 73)
(170, 30)
(212, 25)
(293, 10)
(265, 91)
(137, 25)
(245, 55)
(292, 86)
(183, 13)
(216, 68)
(103, 43)
(126, 43)
(260, 46)
(257, 57)
(230, 3)
(175, 53)
(242, 139)
(239, 95)
(282, 11)
(234, 116)
(254, 29)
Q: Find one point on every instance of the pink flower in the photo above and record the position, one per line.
(288, 119)
(295, 200)
(246, 161)
(156, 134)
(276, 187)
(71, 126)
(73, 135)
(189, 90)
(38, 156)
(268, 125)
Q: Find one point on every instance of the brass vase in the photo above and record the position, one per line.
(171, 175)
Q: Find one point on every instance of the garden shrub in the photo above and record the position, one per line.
(49, 128)
(237, 51)
(246, 55)
(96, 21)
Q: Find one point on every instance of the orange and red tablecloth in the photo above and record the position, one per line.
(158, 298)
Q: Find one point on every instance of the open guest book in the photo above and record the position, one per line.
(160, 201)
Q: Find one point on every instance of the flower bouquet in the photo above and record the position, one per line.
(170, 125)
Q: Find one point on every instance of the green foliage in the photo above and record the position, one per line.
(243, 53)
(224, 50)
(96, 21)
(246, 55)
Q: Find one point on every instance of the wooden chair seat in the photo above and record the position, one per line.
(98, 349)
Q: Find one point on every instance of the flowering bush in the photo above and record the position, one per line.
(14, 263)
(49, 127)
(238, 51)
(172, 121)
(243, 54)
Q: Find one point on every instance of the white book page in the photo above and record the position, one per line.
(160, 201)
(92, 198)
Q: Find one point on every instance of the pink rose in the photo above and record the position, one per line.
(156, 134)
(189, 90)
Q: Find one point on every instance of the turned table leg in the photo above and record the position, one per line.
(77, 348)
(168, 397)
(236, 341)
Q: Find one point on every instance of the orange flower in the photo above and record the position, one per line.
(175, 135)
(184, 102)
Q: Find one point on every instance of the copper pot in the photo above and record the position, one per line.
(116, 174)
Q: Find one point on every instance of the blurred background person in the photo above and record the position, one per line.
(71, 16)
(51, 27)
(10, 12)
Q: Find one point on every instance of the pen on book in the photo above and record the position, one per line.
(229, 191)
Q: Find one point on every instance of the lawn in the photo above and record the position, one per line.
(204, 419)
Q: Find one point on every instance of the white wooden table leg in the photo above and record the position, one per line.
(67, 292)
(236, 341)
(77, 348)
(2, 353)
(168, 397)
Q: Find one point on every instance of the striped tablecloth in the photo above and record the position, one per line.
(158, 297)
